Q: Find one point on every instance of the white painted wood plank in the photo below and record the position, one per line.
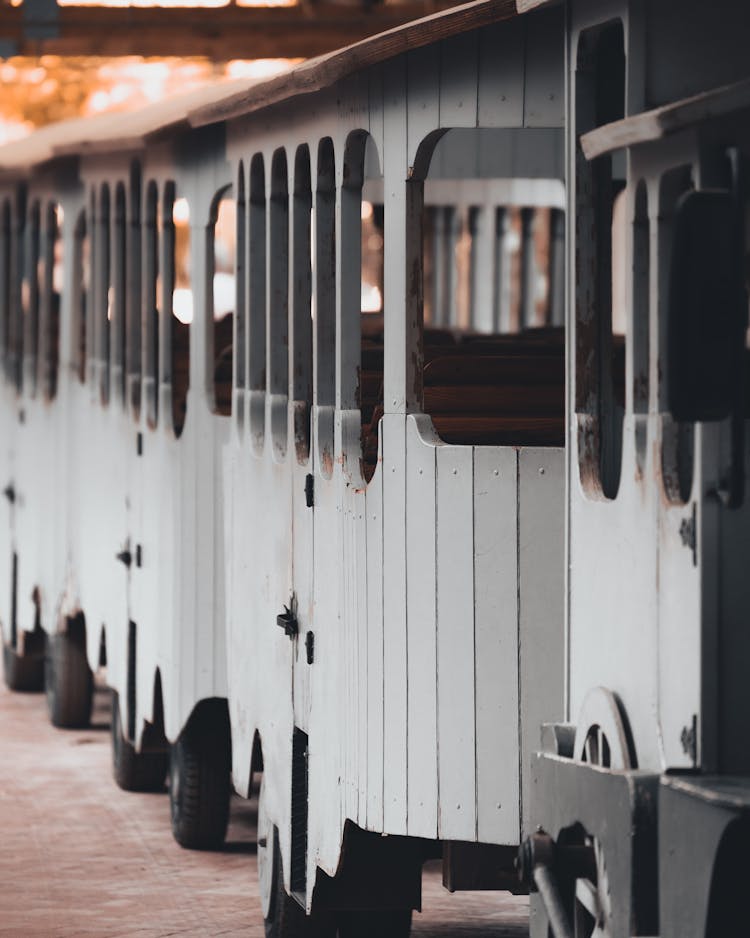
(544, 99)
(421, 618)
(541, 577)
(458, 81)
(374, 687)
(423, 96)
(394, 624)
(501, 75)
(496, 643)
(455, 610)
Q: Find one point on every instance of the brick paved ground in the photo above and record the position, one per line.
(79, 857)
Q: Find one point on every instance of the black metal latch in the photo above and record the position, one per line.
(287, 621)
(9, 492)
(309, 490)
(125, 557)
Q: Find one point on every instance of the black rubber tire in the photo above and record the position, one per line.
(68, 680)
(23, 672)
(200, 765)
(134, 771)
(286, 917)
(375, 924)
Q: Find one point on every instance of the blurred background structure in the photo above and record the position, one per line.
(71, 58)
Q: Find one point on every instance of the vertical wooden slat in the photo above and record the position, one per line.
(496, 643)
(458, 81)
(374, 687)
(421, 618)
(395, 657)
(541, 579)
(501, 53)
(544, 85)
(456, 656)
(423, 75)
(528, 269)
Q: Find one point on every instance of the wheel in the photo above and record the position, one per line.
(134, 771)
(23, 672)
(200, 765)
(368, 924)
(283, 916)
(602, 739)
(68, 679)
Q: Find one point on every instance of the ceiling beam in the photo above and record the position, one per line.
(220, 33)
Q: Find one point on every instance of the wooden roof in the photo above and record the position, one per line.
(224, 100)
(666, 120)
(326, 70)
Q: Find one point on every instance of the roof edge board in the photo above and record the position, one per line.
(669, 119)
(324, 71)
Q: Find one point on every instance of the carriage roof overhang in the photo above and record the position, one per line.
(326, 70)
(132, 131)
(667, 120)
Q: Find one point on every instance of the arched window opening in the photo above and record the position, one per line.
(5, 285)
(240, 293)
(641, 278)
(105, 294)
(256, 362)
(118, 297)
(278, 309)
(492, 338)
(31, 293)
(362, 334)
(151, 296)
(223, 256)
(51, 294)
(324, 308)
(678, 437)
(81, 281)
(133, 298)
(600, 220)
(302, 361)
(177, 264)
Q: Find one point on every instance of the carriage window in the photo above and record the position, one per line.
(118, 295)
(362, 292)
(104, 293)
(641, 267)
(678, 437)
(493, 343)
(257, 301)
(51, 293)
(151, 297)
(278, 309)
(223, 264)
(600, 99)
(324, 304)
(240, 294)
(5, 285)
(302, 364)
(82, 264)
(133, 298)
(32, 292)
(177, 249)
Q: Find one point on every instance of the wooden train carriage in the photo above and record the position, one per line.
(420, 581)
(350, 527)
(651, 775)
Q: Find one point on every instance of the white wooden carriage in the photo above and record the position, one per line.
(348, 552)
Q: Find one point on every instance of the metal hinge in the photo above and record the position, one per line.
(287, 621)
(688, 535)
